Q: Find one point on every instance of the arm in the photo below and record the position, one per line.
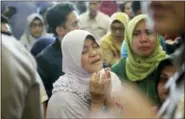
(43, 95)
(20, 90)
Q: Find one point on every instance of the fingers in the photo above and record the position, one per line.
(95, 78)
(100, 84)
(107, 73)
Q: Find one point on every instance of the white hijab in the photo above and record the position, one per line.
(27, 39)
(76, 79)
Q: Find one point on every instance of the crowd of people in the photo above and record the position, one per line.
(94, 59)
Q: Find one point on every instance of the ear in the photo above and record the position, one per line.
(60, 30)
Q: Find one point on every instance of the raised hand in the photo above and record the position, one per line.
(100, 85)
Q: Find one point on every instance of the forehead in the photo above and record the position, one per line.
(89, 42)
(36, 21)
(141, 25)
(116, 23)
(169, 68)
(128, 4)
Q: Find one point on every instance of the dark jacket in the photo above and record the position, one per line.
(49, 63)
(40, 44)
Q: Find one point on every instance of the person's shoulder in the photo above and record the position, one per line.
(103, 15)
(104, 38)
(67, 99)
(17, 50)
(66, 96)
(119, 65)
(46, 38)
(46, 52)
(119, 68)
(84, 16)
(70, 106)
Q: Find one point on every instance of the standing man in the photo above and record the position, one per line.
(93, 20)
(21, 97)
(62, 18)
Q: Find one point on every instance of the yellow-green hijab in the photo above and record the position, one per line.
(121, 17)
(124, 19)
(138, 68)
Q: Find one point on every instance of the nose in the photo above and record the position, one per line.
(144, 37)
(93, 53)
(117, 31)
(37, 27)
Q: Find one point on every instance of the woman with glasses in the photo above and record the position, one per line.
(111, 42)
(35, 29)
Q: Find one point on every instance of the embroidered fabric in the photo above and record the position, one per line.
(67, 83)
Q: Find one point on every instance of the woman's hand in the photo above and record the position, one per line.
(100, 86)
(108, 87)
(99, 89)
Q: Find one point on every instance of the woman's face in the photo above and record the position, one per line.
(166, 73)
(91, 56)
(144, 40)
(36, 28)
(117, 30)
(128, 9)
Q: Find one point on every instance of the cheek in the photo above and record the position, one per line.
(152, 42)
(135, 45)
(41, 29)
(160, 89)
(100, 52)
(84, 61)
(33, 31)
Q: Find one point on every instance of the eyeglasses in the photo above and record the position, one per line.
(117, 28)
(34, 25)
